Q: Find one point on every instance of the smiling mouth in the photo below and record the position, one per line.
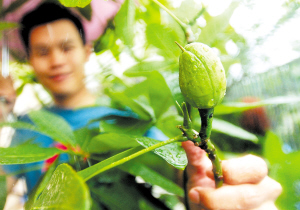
(59, 77)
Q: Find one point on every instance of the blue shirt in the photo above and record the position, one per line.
(77, 118)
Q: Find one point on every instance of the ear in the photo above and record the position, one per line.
(88, 50)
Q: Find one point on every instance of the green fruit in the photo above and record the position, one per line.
(201, 76)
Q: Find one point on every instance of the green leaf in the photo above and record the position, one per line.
(3, 191)
(216, 25)
(86, 11)
(111, 141)
(172, 153)
(107, 42)
(234, 107)
(75, 3)
(124, 21)
(125, 125)
(139, 105)
(40, 186)
(157, 90)
(20, 125)
(232, 130)
(148, 66)
(159, 93)
(53, 126)
(168, 123)
(172, 79)
(148, 175)
(273, 145)
(285, 169)
(65, 190)
(83, 136)
(107, 164)
(26, 153)
(164, 39)
(125, 192)
(8, 25)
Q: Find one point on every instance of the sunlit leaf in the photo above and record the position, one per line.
(216, 25)
(26, 153)
(234, 107)
(53, 126)
(107, 42)
(20, 125)
(75, 3)
(107, 163)
(40, 186)
(285, 169)
(147, 66)
(111, 141)
(139, 106)
(124, 21)
(157, 90)
(232, 130)
(172, 153)
(65, 190)
(164, 39)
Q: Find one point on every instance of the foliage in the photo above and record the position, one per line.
(283, 168)
(3, 192)
(110, 158)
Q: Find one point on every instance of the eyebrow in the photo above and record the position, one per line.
(40, 46)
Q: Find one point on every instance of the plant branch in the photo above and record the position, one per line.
(182, 24)
(123, 160)
(206, 125)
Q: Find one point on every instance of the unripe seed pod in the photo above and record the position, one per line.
(202, 77)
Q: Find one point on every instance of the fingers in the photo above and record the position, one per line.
(245, 196)
(268, 205)
(194, 154)
(198, 163)
(247, 169)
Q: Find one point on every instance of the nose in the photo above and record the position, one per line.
(57, 59)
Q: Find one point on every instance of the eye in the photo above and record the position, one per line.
(42, 52)
(67, 48)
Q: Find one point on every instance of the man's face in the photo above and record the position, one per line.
(58, 55)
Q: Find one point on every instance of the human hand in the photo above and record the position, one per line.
(246, 183)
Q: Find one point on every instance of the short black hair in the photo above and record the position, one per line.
(45, 13)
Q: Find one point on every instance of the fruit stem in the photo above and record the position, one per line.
(206, 116)
(182, 24)
(180, 46)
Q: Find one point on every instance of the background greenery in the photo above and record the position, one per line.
(143, 33)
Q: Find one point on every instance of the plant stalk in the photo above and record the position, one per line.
(182, 24)
(134, 155)
(206, 116)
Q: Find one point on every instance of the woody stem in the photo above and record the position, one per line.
(206, 116)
